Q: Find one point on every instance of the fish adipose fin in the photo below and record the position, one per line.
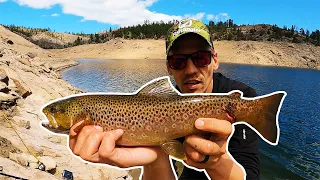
(174, 148)
(160, 87)
(267, 118)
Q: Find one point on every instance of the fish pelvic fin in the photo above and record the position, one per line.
(175, 149)
(158, 87)
(266, 120)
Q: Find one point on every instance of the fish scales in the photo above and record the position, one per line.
(157, 113)
(143, 118)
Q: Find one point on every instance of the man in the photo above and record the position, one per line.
(191, 60)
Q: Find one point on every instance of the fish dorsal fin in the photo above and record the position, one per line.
(160, 87)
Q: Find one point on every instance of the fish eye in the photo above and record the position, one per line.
(52, 109)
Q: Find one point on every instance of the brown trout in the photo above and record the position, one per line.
(157, 114)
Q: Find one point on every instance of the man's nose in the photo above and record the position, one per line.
(190, 67)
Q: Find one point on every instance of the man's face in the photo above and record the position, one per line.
(193, 79)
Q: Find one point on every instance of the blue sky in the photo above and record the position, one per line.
(90, 16)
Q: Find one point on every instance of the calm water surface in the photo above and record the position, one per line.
(297, 156)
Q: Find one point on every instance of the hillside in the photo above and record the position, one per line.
(242, 52)
(227, 30)
(47, 39)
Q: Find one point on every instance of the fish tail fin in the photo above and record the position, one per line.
(266, 120)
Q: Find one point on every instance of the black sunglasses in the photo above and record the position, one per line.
(199, 59)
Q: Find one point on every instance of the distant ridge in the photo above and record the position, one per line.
(227, 30)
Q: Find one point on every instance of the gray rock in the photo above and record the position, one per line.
(21, 122)
(3, 76)
(4, 87)
(24, 61)
(7, 100)
(13, 156)
(33, 165)
(23, 91)
(31, 55)
(22, 160)
(10, 42)
(47, 68)
(48, 162)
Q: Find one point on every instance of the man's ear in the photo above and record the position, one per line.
(215, 60)
(169, 69)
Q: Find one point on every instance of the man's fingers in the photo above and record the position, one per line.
(74, 131)
(204, 146)
(91, 146)
(107, 148)
(193, 154)
(76, 128)
(221, 127)
(82, 137)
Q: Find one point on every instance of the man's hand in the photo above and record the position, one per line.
(219, 164)
(94, 145)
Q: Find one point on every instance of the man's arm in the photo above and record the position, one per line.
(159, 169)
(225, 168)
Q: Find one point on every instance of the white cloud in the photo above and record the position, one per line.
(55, 15)
(38, 4)
(2, 1)
(124, 13)
(198, 16)
(220, 17)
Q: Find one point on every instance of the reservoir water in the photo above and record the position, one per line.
(297, 156)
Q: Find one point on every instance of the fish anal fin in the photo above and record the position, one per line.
(175, 149)
(159, 87)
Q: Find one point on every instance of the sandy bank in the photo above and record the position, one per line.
(243, 52)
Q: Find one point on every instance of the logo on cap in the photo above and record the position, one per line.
(186, 26)
(185, 23)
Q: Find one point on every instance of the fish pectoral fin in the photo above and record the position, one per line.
(174, 148)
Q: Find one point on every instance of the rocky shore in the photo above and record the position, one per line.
(29, 78)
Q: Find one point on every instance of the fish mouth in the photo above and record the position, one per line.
(52, 121)
(58, 130)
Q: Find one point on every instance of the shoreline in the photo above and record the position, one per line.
(239, 52)
(226, 62)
